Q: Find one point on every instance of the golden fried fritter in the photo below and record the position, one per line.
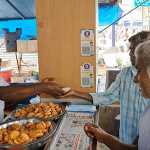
(41, 110)
(22, 134)
(14, 134)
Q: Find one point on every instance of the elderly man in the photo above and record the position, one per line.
(132, 103)
(142, 54)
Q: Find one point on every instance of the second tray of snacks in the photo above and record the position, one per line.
(45, 111)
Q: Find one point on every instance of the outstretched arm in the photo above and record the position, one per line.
(78, 94)
(15, 93)
(110, 95)
(112, 142)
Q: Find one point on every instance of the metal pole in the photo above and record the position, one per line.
(16, 9)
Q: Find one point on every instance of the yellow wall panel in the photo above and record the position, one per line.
(59, 24)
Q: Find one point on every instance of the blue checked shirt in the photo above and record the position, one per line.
(132, 103)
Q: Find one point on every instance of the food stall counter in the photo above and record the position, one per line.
(70, 134)
(67, 130)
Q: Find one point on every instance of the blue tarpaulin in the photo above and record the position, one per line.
(29, 27)
(107, 14)
(18, 14)
(139, 2)
(17, 9)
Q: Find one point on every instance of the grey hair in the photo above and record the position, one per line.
(143, 50)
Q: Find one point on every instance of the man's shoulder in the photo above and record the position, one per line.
(144, 130)
(145, 118)
(129, 68)
(125, 71)
(147, 111)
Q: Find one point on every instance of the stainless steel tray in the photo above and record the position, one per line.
(63, 106)
(34, 145)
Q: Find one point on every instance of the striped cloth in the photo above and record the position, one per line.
(132, 104)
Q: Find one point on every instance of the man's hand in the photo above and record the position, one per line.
(49, 86)
(94, 131)
(112, 142)
(68, 92)
(52, 88)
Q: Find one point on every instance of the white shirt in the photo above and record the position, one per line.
(144, 131)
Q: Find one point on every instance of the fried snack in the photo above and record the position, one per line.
(41, 110)
(14, 127)
(14, 134)
(22, 134)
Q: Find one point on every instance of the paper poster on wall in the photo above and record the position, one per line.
(87, 42)
(87, 75)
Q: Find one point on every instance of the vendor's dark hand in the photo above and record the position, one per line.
(48, 79)
(55, 91)
(52, 88)
(94, 131)
(68, 93)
